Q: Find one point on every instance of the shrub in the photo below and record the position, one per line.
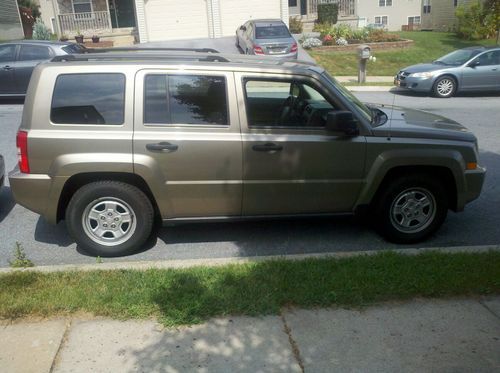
(40, 31)
(311, 43)
(295, 25)
(378, 35)
(328, 13)
(476, 21)
(341, 41)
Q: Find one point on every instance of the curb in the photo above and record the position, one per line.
(217, 262)
(369, 88)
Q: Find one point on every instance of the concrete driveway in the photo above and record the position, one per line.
(226, 44)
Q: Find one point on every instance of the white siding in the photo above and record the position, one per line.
(236, 12)
(174, 19)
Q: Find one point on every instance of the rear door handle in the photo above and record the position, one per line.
(161, 147)
(268, 147)
(7, 68)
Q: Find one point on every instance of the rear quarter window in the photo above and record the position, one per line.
(88, 99)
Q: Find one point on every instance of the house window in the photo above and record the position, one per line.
(381, 20)
(292, 3)
(384, 2)
(415, 20)
(427, 6)
(455, 3)
(82, 6)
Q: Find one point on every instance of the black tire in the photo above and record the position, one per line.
(397, 206)
(127, 202)
(445, 87)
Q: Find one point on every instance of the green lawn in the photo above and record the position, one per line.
(185, 296)
(428, 47)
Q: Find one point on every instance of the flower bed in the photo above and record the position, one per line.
(384, 45)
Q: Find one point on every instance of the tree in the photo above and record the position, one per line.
(478, 20)
(31, 4)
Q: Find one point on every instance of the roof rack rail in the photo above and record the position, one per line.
(138, 56)
(134, 49)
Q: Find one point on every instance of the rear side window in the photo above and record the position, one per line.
(88, 99)
(185, 99)
(34, 52)
(7, 53)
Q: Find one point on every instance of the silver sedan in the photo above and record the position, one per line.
(268, 37)
(468, 69)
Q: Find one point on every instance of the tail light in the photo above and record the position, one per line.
(294, 48)
(257, 49)
(22, 151)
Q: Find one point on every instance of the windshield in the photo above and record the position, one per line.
(362, 108)
(74, 49)
(271, 32)
(457, 57)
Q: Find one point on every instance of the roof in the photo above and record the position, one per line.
(268, 21)
(162, 57)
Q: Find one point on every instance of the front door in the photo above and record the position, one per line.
(486, 75)
(303, 7)
(122, 13)
(291, 163)
(187, 142)
(7, 64)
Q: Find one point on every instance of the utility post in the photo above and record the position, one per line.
(364, 52)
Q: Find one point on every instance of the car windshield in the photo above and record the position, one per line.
(457, 57)
(74, 49)
(362, 108)
(271, 32)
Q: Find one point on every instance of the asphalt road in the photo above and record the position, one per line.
(477, 225)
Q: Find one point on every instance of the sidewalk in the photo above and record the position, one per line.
(422, 335)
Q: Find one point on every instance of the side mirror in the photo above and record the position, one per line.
(342, 121)
(474, 63)
(243, 28)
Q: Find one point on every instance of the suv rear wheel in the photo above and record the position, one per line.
(411, 208)
(109, 218)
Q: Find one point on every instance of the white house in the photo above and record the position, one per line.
(156, 20)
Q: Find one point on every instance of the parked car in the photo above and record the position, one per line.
(19, 58)
(268, 37)
(468, 69)
(195, 137)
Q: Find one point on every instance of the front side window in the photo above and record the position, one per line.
(82, 6)
(489, 59)
(185, 99)
(7, 53)
(277, 103)
(89, 99)
(34, 52)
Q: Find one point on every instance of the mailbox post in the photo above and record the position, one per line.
(364, 52)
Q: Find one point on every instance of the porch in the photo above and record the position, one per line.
(96, 17)
(307, 10)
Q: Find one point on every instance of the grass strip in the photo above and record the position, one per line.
(187, 296)
(428, 46)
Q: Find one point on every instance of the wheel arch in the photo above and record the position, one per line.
(77, 181)
(447, 74)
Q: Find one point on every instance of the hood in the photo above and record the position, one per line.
(425, 67)
(403, 122)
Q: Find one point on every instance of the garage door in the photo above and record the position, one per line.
(174, 19)
(235, 13)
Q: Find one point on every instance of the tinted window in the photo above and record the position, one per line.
(285, 104)
(489, 58)
(74, 49)
(34, 52)
(191, 99)
(88, 99)
(271, 32)
(7, 53)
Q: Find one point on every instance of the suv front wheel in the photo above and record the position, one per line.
(109, 218)
(411, 208)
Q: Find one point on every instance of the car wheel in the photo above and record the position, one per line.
(109, 218)
(411, 208)
(445, 87)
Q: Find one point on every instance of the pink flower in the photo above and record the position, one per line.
(328, 38)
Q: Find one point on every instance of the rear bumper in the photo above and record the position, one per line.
(38, 193)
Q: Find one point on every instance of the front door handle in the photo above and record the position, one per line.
(161, 147)
(7, 68)
(268, 147)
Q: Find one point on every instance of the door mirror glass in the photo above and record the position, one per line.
(342, 121)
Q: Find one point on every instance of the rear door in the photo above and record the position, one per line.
(187, 142)
(7, 63)
(29, 57)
